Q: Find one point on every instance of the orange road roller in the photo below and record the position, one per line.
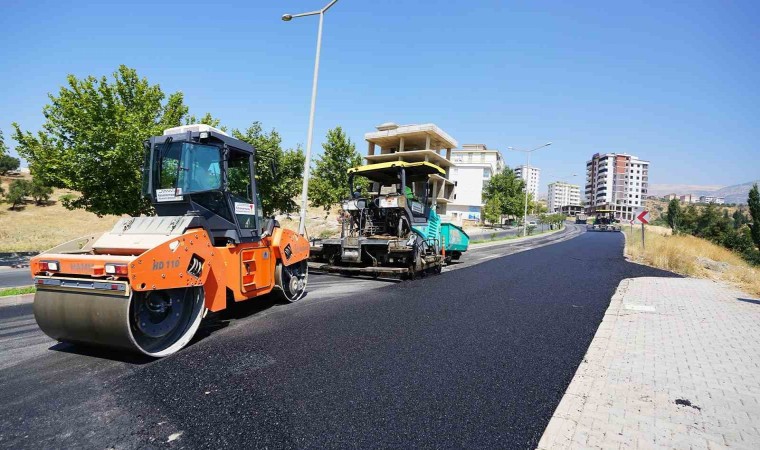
(145, 285)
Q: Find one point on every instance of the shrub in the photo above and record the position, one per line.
(17, 192)
(39, 192)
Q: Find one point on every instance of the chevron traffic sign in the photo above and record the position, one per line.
(642, 216)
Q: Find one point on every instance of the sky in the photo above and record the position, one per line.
(675, 83)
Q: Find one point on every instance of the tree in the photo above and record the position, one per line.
(279, 188)
(207, 119)
(753, 201)
(492, 210)
(712, 225)
(8, 163)
(92, 139)
(39, 192)
(3, 147)
(329, 181)
(674, 215)
(509, 190)
(689, 217)
(17, 192)
(739, 219)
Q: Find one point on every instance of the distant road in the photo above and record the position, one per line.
(15, 277)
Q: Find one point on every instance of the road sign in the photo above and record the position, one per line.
(642, 216)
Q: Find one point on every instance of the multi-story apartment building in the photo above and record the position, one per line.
(474, 165)
(688, 198)
(563, 194)
(712, 199)
(531, 176)
(616, 181)
(416, 143)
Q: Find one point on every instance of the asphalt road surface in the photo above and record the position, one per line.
(477, 357)
(15, 277)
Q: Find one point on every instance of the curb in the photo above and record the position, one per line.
(517, 239)
(15, 300)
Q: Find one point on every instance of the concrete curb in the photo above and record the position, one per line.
(14, 300)
(517, 239)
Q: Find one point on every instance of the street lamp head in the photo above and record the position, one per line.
(287, 17)
(547, 144)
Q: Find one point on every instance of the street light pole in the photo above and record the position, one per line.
(527, 176)
(310, 136)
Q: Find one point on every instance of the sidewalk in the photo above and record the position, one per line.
(675, 363)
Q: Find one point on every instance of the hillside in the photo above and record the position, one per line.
(38, 228)
(733, 194)
(737, 193)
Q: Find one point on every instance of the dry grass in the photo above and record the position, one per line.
(38, 228)
(318, 223)
(680, 254)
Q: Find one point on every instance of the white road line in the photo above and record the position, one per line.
(18, 329)
(17, 322)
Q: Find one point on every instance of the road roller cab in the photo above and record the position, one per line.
(146, 284)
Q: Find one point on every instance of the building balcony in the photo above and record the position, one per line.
(431, 156)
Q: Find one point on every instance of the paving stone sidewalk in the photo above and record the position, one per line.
(674, 364)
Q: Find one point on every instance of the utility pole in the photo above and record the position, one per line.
(309, 138)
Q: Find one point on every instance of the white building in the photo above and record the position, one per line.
(563, 194)
(616, 181)
(474, 165)
(530, 175)
(712, 199)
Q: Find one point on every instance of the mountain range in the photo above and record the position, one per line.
(733, 194)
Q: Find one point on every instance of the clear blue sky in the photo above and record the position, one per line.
(676, 84)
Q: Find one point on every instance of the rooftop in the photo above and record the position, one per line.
(415, 136)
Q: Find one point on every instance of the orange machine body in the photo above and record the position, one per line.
(242, 271)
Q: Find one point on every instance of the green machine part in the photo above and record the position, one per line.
(454, 238)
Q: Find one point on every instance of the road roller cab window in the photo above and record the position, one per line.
(239, 184)
(188, 167)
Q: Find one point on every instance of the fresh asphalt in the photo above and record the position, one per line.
(475, 357)
(15, 277)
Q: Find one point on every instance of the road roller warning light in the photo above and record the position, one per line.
(145, 285)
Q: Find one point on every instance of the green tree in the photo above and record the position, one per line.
(753, 201)
(8, 163)
(739, 219)
(509, 190)
(329, 181)
(278, 189)
(17, 192)
(689, 216)
(92, 139)
(711, 224)
(207, 119)
(492, 210)
(3, 147)
(674, 214)
(39, 192)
